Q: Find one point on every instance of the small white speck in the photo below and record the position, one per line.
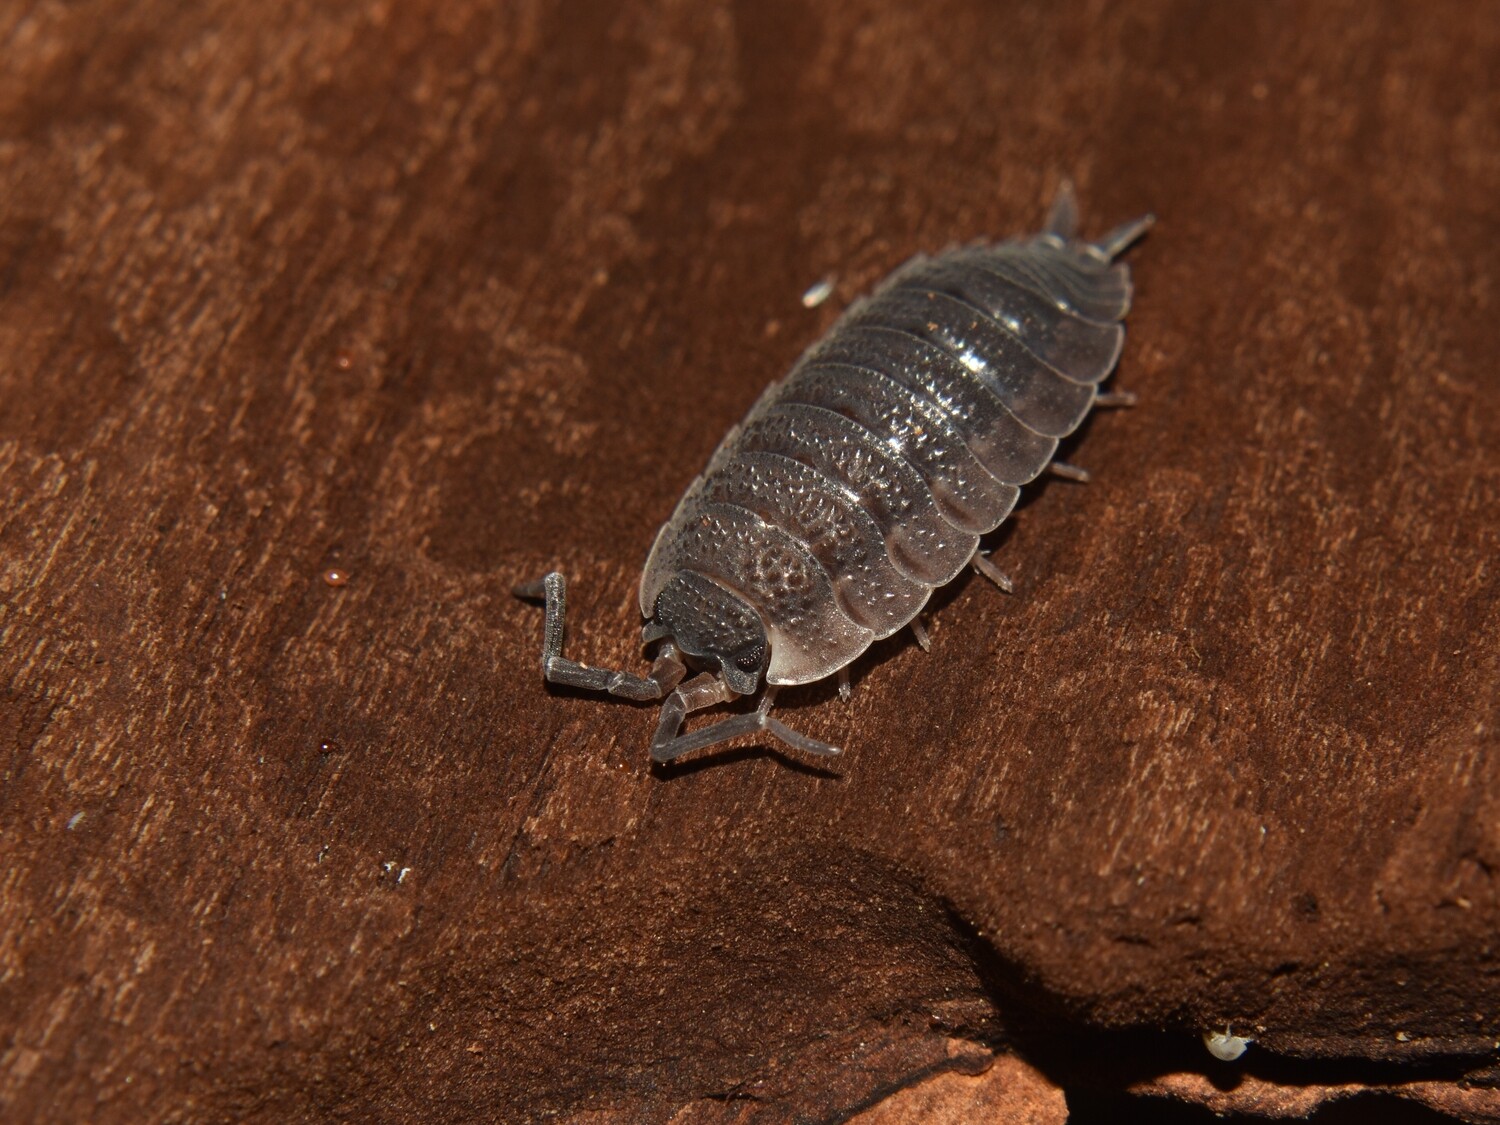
(817, 293)
(972, 360)
(73, 820)
(401, 875)
(388, 866)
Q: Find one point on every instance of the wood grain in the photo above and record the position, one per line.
(440, 296)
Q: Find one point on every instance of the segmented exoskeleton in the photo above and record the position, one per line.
(864, 479)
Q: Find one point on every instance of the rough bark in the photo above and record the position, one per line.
(323, 325)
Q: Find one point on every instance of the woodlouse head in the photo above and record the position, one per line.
(713, 627)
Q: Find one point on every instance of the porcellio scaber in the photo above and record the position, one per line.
(864, 479)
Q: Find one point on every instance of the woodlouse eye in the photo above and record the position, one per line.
(749, 660)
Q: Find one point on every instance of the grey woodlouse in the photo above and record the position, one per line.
(863, 480)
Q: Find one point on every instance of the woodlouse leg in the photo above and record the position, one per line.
(704, 691)
(1108, 399)
(1069, 472)
(666, 671)
(981, 562)
(844, 690)
(919, 630)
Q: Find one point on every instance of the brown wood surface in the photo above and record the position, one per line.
(442, 295)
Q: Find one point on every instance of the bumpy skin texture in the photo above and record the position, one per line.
(864, 479)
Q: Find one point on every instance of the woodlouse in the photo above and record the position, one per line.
(1225, 1045)
(863, 480)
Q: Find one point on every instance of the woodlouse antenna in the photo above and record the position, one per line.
(667, 671)
(668, 745)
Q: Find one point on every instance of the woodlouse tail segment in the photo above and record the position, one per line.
(666, 672)
(706, 690)
(1062, 220)
(1062, 223)
(1115, 400)
(1119, 240)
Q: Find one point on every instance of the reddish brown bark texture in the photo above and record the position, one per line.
(441, 295)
